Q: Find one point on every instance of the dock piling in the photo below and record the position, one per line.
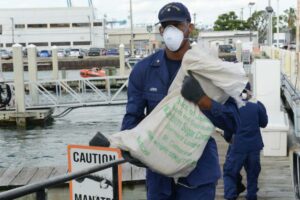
(239, 50)
(122, 59)
(32, 70)
(54, 63)
(19, 84)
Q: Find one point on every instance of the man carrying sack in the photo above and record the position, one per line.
(148, 85)
(176, 98)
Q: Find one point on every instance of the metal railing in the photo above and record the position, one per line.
(292, 96)
(40, 186)
(296, 174)
(109, 90)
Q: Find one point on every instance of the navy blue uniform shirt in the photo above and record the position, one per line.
(248, 137)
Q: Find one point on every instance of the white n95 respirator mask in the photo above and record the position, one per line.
(173, 37)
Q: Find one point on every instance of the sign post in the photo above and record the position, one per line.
(101, 185)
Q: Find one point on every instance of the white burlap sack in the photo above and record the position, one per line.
(171, 139)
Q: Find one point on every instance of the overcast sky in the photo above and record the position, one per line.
(145, 11)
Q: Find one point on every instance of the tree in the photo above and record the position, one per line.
(230, 21)
(290, 18)
(259, 22)
(282, 25)
(195, 33)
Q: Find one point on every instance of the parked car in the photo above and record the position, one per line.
(112, 52)
(25, 52)
(292, 46)
(85, 52)
(94, 51)
(45, 53)
(77, 53)
(5, 54)
(61, 53)
(227, 52)
(103, 52)
(67, 51)
(127, 52)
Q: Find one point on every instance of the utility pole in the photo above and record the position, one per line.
(250, 17)
(195, 18)
(277, 24)
(269, 10)
(69, 3)
(298, 28)
(104, 30)
(12, 30)
(131, 31)
(297, 43)
(149, 30)
(242, 14)
(91, 5)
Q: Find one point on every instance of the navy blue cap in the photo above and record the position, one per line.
(174, 11)
(248, 86)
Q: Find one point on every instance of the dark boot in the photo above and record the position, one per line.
(240, 188)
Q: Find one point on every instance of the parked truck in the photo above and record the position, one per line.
(227, 52)
(283, 40)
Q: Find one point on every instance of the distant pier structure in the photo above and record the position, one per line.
(34, 100)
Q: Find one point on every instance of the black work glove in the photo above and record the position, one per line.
(191, 89)
(101, 140)
(126, 155)
(228, 139)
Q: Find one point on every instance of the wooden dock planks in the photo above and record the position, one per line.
(59, 170)
(24, 176)
(43, 173)
(9, 175)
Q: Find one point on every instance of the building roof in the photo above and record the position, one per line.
(126, 31)
(226, 34)
(51, 15)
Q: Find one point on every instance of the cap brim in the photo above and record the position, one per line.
(177, 19)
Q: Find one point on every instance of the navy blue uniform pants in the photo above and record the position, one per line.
(231, 176)
(163, 188)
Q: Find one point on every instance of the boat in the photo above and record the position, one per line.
(94, 72)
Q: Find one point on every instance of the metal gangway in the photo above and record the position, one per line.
(35, 99)
(98, 91)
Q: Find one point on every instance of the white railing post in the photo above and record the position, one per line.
(238, 46)
(287, 64)
(54, 63)
(19, 83)
(122, 59)
(293, 77)
(298, 70)
(32, 70)
(1, 70)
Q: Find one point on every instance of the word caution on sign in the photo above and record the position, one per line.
(101, 185)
